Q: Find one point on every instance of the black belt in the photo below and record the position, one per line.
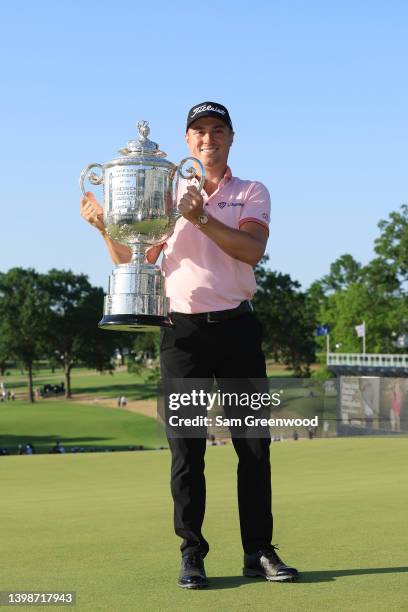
(218, 315)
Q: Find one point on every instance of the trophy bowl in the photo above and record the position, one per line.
(140, 210)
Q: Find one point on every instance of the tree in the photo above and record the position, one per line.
(5, 350)
(123, 344)
(24, 315)
(76, 307)
(376, 293)
(288, 325)
(146, 345)
(392, 245)
(343, 272)
(381, 276)
(346, 309)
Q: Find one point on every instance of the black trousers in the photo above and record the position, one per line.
(228, 349)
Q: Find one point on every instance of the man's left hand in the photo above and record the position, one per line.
(191, 205)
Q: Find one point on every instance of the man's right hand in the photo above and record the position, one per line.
(92, 211)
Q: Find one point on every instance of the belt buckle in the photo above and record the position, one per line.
(209, 320)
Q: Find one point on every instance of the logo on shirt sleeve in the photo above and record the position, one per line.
(265, 216)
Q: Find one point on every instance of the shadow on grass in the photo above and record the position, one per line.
(232, 582)
(330, 575)
(21, 384)
(43, 444)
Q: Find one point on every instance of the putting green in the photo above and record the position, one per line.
(101, 524)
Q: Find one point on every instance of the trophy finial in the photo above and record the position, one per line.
(144, 130)
(142, 145)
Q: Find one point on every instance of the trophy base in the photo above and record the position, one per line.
(134, 323)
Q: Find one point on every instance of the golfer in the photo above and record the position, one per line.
(208, 265)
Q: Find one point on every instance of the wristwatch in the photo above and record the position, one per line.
(202, 220)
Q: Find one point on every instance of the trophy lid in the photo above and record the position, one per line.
(142, 146)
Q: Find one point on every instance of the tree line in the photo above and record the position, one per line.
(375, 293)
(55, 315)
(348, 295)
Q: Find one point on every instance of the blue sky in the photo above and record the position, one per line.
(317, 93)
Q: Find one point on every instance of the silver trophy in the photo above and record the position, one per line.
(140, 210)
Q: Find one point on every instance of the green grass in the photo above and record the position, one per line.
(101, 524)
(75, 424)
(90, 381)
(97, 426)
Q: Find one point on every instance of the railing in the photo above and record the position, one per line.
(371, 360)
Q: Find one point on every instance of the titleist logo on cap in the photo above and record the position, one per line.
(206, 107)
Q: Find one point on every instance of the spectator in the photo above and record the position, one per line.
(395, 410)
(58, 448)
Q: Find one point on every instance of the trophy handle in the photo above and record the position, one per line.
(190, 172)
(92, 178)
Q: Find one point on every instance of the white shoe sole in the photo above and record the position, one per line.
(248, 573)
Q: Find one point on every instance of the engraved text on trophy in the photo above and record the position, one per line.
(136, 203)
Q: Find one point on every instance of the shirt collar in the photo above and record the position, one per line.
(228, 175)
(225, 179)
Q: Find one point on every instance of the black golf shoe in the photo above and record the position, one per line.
(192, 572)
(267, 564)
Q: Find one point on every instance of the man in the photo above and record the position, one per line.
(208, 265)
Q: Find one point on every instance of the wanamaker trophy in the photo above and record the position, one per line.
(140, 210)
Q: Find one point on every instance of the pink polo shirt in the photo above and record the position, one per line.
(200, 277)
